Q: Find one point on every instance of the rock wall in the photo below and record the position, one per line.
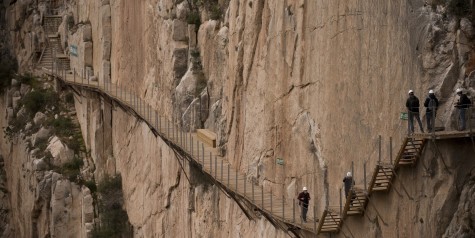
(311, 82)
(36, 200)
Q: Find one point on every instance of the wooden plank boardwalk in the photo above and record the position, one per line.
(236, 183)
(285, 210)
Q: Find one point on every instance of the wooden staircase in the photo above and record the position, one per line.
(410, 151)
(53, 48)
(330, 222)
(236, 184)
(356, 205)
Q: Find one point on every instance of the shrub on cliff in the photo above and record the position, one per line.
(113, 220)
(7, 68)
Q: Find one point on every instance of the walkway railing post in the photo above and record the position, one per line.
(198, 145)
(245, 187)
(229, 175)
(74, 75)
(283, 208)
(222, 171)
(364, 173)
(293, 211)
(236, 181)
(252, 187)
(353, 171)
(379, 156)
(210, 164)
(341, 204)
(215, 167)
(270, 196)
(391, 150)
(192, 149)
(315, 219)
(262, 196)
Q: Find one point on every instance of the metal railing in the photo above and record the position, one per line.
(182, 134)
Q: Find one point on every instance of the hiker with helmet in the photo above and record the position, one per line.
(304, 199)
(431, 104)
(348, 182)
(462, 104)
(412, 105)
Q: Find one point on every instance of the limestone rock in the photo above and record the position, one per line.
(15, 101)
(42, 134)
(87, 207)
(180, 30)
(87, 33)
(467, 28)
(15, 83)
(39, 164)
(28, 126)
(10, 114)
(22, 113)
(182, 11)
(180, 62)
(24, 89)
(88, 57)
(106, 55)
(60, 151)
(39, 118)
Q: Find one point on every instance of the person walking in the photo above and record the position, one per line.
(431, 103)
(412, 105)
(348, 182)
(304, 199)
(462, 104)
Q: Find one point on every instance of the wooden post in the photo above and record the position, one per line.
(210, 164)
(229, 175)
(222, 171)
(215, 166)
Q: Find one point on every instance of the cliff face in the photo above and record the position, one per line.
(311, 82)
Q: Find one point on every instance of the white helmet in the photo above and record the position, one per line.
(410, 91)
(431, 91)
(459, 90)
(304, 189)
(348, 174)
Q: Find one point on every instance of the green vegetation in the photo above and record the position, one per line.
(72, 170)
(212, 7)
(460, 8)
(39, 100)
(7, 68)
(113, 219)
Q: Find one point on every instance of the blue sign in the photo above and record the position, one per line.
(73, 50)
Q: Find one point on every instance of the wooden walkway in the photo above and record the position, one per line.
(216, 166)
(237, 184)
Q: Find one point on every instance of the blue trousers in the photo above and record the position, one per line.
(411, 121)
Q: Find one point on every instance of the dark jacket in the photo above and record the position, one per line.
(463, 102)
(348, 184)
(304, 198)
(412, 104)
(431, 102)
